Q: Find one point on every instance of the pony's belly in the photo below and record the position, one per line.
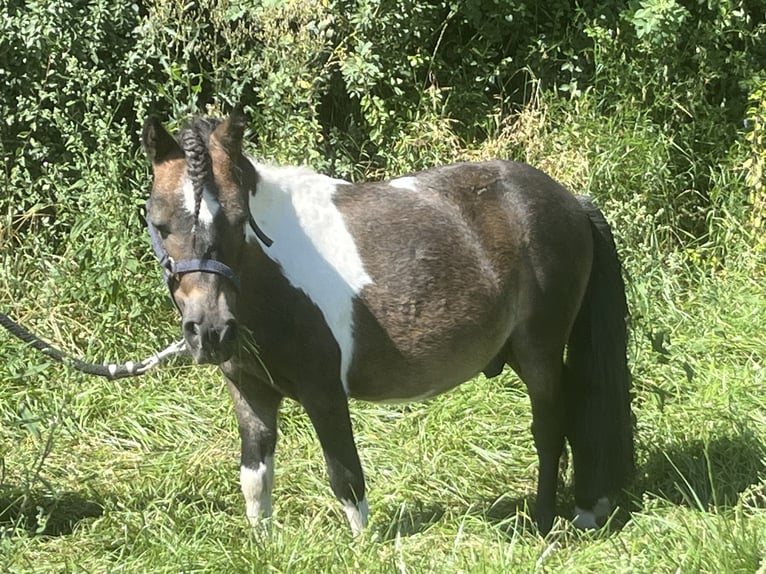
(390, 375)
(398, 387)
(401, 356)
(408, 391)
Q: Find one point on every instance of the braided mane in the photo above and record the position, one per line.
(194, 142)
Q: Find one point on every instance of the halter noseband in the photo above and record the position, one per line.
(173, 268)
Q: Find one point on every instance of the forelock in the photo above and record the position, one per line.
(194, 141)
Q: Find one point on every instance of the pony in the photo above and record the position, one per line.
(394, 291)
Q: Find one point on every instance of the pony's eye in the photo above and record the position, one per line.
(163, 230)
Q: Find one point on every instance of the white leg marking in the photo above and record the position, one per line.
(256, 486)
(585, 519)
(357, 515)
(312, 245)
(592, 519)
(209, 205)
(602, 509)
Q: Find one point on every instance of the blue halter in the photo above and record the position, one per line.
(173, 268)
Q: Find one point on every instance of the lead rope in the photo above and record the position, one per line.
(111, 371)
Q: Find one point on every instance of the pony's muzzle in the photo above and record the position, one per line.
(209, 342)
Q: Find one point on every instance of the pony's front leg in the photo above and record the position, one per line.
(330, 416)
(256, 405)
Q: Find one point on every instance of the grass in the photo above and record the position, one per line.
(141, 475)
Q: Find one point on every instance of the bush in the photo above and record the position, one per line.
(655, 107)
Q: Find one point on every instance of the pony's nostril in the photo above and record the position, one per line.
(211, 343)
(191, 329)
(229, 332)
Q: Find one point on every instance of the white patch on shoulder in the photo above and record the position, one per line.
(293, 206)
(209, 205)
(407, 182)
(257, 484)
(357, 515)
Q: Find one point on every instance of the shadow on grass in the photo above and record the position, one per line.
(511, 515)
(706, 475)
(702, 475)
(44, 514)
(713, 475)
(411, 518)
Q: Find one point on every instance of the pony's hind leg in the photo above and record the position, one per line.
(256, 405)
(540, 368)
(329, 415)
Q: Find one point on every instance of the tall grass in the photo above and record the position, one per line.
(141, 475)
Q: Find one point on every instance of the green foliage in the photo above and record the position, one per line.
(754, 166)
(659, 22)
(655, 107)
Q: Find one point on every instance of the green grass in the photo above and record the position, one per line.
(142, 475)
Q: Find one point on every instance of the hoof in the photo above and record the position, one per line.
(592, 519)
(544, 522)
(357, 515)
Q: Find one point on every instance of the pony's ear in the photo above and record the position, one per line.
(158, 144)
(230, 133)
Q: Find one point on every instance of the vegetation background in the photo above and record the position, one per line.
(657, 108)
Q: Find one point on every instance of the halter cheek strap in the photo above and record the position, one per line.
(265, 239)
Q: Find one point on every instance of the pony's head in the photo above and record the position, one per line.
(197, 214)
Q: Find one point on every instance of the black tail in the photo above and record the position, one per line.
(600, 429)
